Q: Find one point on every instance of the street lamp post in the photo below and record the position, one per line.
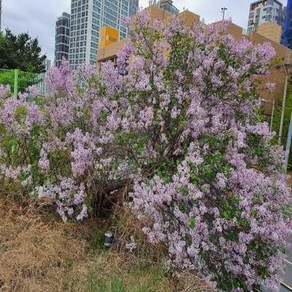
(223, 9)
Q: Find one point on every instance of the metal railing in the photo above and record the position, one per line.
(20, 81)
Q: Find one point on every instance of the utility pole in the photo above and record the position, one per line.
(223, 9)
(272, 116)
(286, 67)
(288, 145)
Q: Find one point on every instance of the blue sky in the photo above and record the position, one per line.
(38, 17)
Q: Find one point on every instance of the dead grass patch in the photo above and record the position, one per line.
(39, 253)
(30, 248)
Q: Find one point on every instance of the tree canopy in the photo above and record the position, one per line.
(21, 52)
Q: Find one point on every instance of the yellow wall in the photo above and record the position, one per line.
(108, 36)
(271, 30)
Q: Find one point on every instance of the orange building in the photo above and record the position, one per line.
(106, 53)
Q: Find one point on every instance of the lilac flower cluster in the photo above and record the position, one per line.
(5, 91)
(69, 198)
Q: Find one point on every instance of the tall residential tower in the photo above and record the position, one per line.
(168, 6)
(62, 38)
(87, 19)
(0, 13)
(287, 33)
(264, 11)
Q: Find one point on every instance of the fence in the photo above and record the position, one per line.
(19, 80)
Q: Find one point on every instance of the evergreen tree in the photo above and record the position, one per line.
(21, 52)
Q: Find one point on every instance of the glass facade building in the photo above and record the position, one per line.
(134, 7)
(264, 11)
(0, 13)
(62, 37)
(87, 19)
(287, 31)
(168, 6)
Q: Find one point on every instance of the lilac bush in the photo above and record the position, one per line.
(211, 184)
(176, 122)
(50, 147)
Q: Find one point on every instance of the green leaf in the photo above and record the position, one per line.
(192, 222)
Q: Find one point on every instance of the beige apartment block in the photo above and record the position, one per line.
(189, 18)
(109, 53)
(236, 31)
(271, 31)
(277, 76)
(155, 13)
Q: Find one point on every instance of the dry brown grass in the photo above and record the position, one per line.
(30, 248)
(38, 253)
(188, 282)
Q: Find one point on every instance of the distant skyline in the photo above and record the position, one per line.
(38, 17)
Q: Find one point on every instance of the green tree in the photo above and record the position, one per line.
(21, 52)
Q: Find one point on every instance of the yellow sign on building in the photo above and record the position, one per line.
(108, 36)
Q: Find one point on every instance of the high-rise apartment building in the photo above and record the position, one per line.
(134, 7)
(62, 38)
(287, 32)
(87, 19)
(264, 11)
(283, 16)
(165, 5)
(0, 13)
(47, 64)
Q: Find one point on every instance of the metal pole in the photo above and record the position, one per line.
(223, 11)
(283, 107)
(288, 145)
(272, 116)
(15, 83)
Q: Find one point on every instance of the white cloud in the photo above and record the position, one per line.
(37, 17)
